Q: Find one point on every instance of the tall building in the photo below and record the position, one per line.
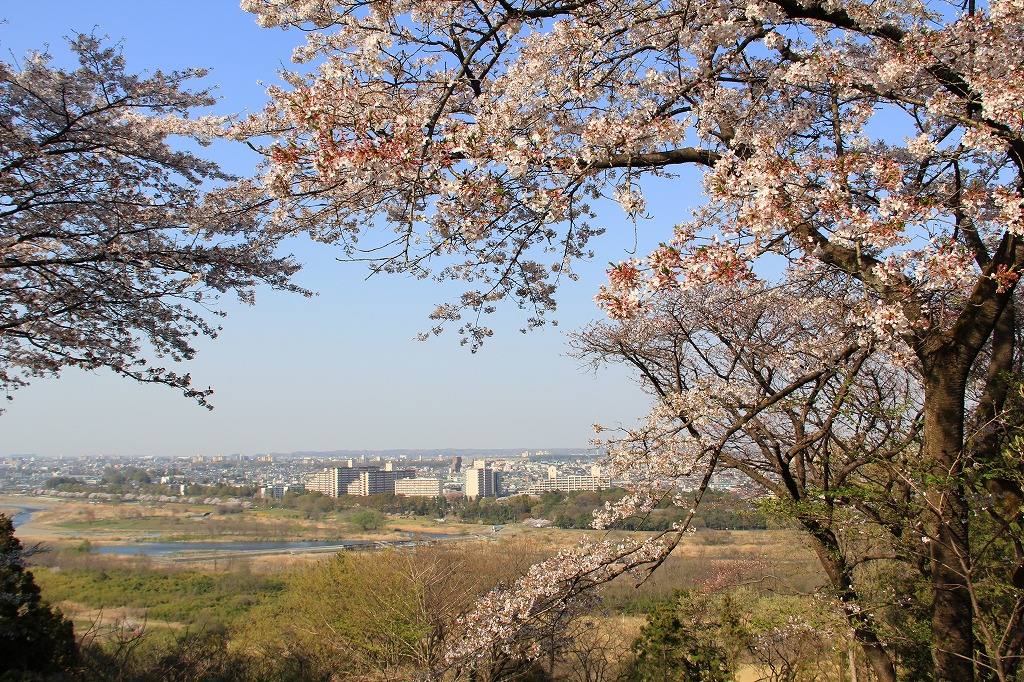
(327, 482)
(419, 487)
(570, 483)
(362, 481)
(373, 481)
(482, 481)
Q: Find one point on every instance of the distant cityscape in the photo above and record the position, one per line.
(434, 473)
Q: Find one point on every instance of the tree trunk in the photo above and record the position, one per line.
(826, 546)
(945, 518)
(852, 657)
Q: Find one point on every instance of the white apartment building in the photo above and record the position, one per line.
(419, 487)
(277, 490)
(570, 483)
(361, 481)
(482, 481)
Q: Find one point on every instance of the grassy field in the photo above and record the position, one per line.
(111, 594)
(775, 559)
(205, 599)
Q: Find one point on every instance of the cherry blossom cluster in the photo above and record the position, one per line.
(862, 173)
(849, 191)
(489, 142)
(499, 618)
(683, 264)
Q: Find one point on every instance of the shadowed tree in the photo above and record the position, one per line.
(34, 638)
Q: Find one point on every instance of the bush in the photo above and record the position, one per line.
(367, 520)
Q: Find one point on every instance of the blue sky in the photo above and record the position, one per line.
(341, 370)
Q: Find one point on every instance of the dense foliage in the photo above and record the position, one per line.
(34, 637)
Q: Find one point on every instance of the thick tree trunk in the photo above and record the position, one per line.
(945, 520)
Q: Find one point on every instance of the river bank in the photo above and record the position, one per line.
(194, 532)
(21, 509)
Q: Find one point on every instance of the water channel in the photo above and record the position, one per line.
(159, 549)
(166, 548)
(23, 516)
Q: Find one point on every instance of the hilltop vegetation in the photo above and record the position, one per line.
(395, 613)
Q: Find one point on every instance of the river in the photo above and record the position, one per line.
(165, 548)
(23, 516)
(157, 549)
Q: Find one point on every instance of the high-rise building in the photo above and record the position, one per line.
(570, 483)
(326, 482)
(419, 487)
(374, 481)
(482, 481)
(363, 481)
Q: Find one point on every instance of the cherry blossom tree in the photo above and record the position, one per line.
(881, 142)
(829, 427)
(790, 398)
(111, 248)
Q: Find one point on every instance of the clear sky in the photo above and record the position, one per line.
(341, 370)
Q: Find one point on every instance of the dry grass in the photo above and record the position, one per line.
(776, 559)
